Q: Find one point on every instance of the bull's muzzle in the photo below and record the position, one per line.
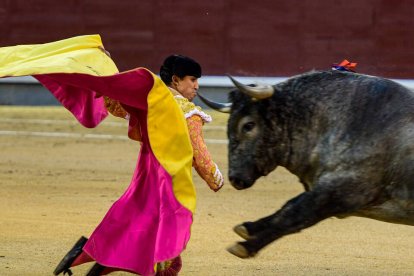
(239, 183)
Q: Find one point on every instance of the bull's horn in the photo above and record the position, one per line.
(222, 107)
(259, 92)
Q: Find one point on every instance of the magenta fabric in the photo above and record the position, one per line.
(86, 108)
(79, 93)
(146, 224)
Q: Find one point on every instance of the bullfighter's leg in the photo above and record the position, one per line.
(71, 257)
(299, 213)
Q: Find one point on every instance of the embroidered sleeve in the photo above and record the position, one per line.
(202, 161)
(191, 109)
(115, 108)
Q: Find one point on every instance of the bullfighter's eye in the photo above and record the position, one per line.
(248, 126)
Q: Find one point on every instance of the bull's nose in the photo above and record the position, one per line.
(236, 182)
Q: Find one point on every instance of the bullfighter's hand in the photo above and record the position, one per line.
(218, 179)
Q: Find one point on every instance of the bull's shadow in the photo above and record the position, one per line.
(348, 137)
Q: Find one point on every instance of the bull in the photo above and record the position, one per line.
(348, 137)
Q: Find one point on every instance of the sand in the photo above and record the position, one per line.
(55, 189)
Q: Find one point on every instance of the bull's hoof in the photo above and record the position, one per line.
(241, 230)
(240, 251)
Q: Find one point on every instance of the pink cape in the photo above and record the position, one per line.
(147, 224)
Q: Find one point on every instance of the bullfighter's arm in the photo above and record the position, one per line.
(202, 160)
(115, 108)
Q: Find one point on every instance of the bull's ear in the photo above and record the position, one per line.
(222, 107)
(258, 92)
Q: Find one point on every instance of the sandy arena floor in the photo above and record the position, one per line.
(56, 187)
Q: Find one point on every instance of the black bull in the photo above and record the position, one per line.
(348, 137)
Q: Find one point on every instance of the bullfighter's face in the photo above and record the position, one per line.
(186, 86)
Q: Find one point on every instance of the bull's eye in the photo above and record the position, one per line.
(248, 127)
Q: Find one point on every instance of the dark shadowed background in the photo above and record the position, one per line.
(242, 38)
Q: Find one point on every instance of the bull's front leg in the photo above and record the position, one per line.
(299, 213)
(249, 229)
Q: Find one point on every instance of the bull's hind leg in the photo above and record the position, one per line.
(299, 213)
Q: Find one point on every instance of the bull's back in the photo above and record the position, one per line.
(378, 105)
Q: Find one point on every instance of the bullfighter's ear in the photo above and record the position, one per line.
(222, 107)
(258, 92)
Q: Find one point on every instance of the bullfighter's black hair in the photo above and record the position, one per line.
(180, 66)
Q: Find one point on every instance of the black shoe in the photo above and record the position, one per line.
(169, 268)
(70, 257)
(96, 270)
